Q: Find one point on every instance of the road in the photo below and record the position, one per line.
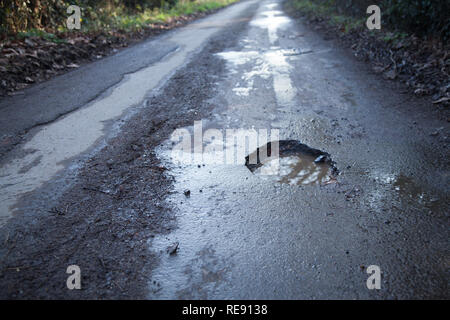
(88, 177)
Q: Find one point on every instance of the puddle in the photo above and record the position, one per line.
(272, 20)
(263, 64)
(297, 164)
(408, 190)
(82, 129)
(400, 190)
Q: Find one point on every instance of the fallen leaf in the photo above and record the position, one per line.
(29, 42)
(172, 249)
(57, 66)
(420, 91)
(391, 74)
(378, 69)
(443, 99)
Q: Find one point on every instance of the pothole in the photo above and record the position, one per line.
(296, 164)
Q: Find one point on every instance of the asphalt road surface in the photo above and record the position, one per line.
(88, 174)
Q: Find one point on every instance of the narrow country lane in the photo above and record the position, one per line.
(95, 182)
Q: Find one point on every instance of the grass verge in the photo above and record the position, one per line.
(120, 19)
(327, 12)
(37, 55)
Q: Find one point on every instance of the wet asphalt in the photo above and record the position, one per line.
(242, 235)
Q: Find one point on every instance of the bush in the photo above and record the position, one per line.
(20, 15)
(424, 17)
(23, 15)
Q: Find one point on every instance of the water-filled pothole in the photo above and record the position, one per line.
(296, 164)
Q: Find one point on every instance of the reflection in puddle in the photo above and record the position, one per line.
(263, 65)
(297, 170)
(297, 164)
(270, 63)
(242, 91)
(272, 20)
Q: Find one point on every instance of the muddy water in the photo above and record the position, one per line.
(292, 162)
(296, 170)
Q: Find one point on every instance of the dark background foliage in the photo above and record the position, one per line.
(422, 17)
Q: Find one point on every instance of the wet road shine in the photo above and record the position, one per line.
(303, 233)
(243, 236)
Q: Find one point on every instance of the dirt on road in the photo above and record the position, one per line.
(104, 222)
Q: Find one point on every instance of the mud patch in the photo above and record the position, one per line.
(105, 221)
(296, 164)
